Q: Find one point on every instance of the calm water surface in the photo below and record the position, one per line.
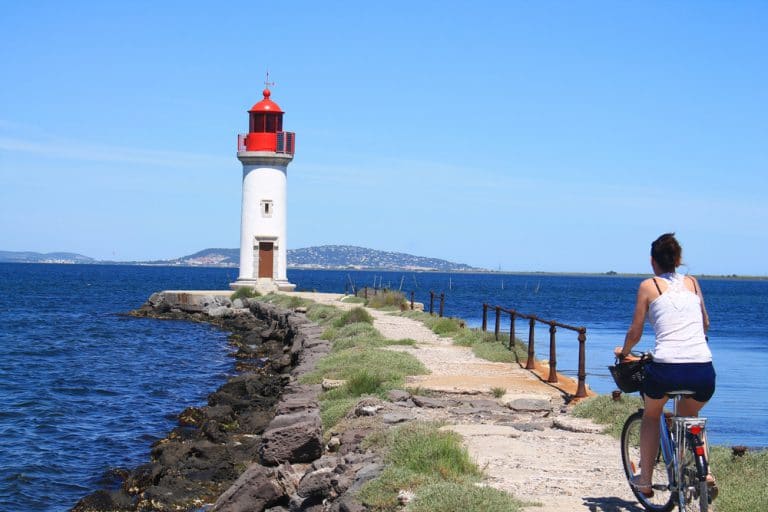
(85, 389)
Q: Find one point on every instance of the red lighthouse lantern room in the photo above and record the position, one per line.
(265, 129)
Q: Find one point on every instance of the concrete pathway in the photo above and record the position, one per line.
(562, 470)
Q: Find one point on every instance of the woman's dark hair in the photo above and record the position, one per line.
(666, 252)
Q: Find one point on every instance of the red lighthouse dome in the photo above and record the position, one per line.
(265, 129)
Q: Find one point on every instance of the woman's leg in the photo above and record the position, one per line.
(689, 407)
(649, 439)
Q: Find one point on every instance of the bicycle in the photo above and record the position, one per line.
(680, 468)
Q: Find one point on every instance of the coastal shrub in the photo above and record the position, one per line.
(498, 392)
(353, 300)
(352, 316)
(743, 481)
(388, 300)
(462, 497)
(286, 301)
(245, 292)
(603, 409)
(390, 366)
(334, 408)
(364, 383)
(419, 455)
(322, 314)
(423, 448)
(445, 326)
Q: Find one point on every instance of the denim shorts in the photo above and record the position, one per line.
(663, 377)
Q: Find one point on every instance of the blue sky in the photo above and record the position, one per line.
(555, 136)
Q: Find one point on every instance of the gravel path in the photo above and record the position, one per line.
(562, 470)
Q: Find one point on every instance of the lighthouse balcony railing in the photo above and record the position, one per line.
(285, 142)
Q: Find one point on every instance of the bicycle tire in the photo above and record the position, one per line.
(662, 499)
(695, 490)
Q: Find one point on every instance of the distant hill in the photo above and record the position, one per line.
(349, 256)
(37, 257)
(322, 257)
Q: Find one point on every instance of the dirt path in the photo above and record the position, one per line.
(563, 470)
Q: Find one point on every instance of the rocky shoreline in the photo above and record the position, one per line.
(258, 444)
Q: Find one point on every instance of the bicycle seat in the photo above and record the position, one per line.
(680, 392)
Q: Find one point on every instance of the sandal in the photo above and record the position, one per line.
(712, 487)
(644, 489)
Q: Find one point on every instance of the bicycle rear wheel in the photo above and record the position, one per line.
(695, 491)
(662, 499)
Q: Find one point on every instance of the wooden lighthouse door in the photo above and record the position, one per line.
(266, 250)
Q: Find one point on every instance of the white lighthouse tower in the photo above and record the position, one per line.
(265, 151)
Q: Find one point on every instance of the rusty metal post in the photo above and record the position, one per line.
(412, 293)
(431, 302)
(511, 329)
(531, 357)
(552, 354)
(442, 304)
(497, 327)
(581, 390)
(365, 292)
(485, 317)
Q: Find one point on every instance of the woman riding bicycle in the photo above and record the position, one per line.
(681, 356)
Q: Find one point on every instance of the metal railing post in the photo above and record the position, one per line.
(431, 302)
(581, 391)
(531, 327)
(412, 293)
(442, 303)
(365, 293)
(497, 327)
(552, 354)
(485, 317)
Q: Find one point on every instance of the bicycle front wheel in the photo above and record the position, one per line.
(662, 499)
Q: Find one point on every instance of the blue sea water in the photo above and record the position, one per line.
(84, 389)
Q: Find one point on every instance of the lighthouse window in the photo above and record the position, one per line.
(266, 208)
(257, 122)
(271, 128)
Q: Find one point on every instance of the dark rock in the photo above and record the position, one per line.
(365, 474)
(301, 441)
(316, 484)
(253, 491)
(392, 418)
(397, 395)
(530, 405)
(423, 401)
(104, 500)
(351, 504)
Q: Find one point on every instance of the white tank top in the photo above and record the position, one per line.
(677, 321)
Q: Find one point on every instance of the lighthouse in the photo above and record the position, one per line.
(265, 152)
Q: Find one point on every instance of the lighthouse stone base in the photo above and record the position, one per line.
(263, 285)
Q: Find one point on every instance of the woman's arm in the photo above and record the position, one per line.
(704, 314)
(635, 330)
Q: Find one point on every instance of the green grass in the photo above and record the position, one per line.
(742, 481)
(391, 367)
(322, 314)
(391, 300)
(353, 300)
(286, 301)
(603, 409)
(437, 468)
(245, 292)
(462, 497)
(354, 315)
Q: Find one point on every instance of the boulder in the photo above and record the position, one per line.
(254, 491)
(298, 441)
